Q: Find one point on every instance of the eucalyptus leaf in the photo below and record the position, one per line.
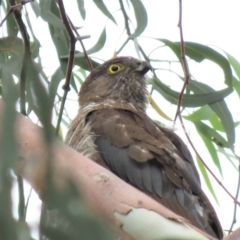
(13, 48)
(235, 64)
(206, 179)
(36, 8)
(97, 47)
(236, 86)
(199, 52)
(203, 113)
(189, 100)
(48, 16)
(12, 28)
(54, 83)
(212, 151)
(221, 109)
(81, 8)
(211, 134)
(82, 62)
(141, 17)
(101, 6)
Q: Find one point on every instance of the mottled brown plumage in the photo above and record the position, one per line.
(112, 128)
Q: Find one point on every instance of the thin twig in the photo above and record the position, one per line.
(178, 113)
(27, 202)
(14, 7)
(121, 48)
(27, 54)
(235, 204)
(184, 62)
(80, 38)
(21, 204)
(72, 39)
(125, 18)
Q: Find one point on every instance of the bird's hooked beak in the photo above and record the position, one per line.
(144, 67)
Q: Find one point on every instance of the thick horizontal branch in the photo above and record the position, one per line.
(130, 213)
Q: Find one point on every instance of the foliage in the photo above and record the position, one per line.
(27, 83)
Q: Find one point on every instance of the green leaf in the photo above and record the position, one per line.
(48, 16)
(203, 113)
(81, 62)
(212, 151)
(236, 86)
(189, 100)
(36, 8)
(12, 28)
(73, 84)
(11, 49)
(104, 10)
(35, 46)
(81, 8)
(234, 63)
(206, 179)
(141, 17)
(39, 96)
(216, 123)
(211, 134)
(220, 108)
(173, 46)
(8, 153)
(225, 115)
(78, 79)
(229, 157)
(53, 86)
(97, 47)
(199, 52)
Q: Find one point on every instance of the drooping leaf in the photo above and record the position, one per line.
(48, 16)
(36, 8)
(81, 8)
(236, 86)
(54, 83)
(12, 28)
(42, 105)
(229, 157)
(141, 17)
(211, 134)
(13, 47)
(97, 47)
(235, 64)
(100, 4)
(198, 53)
(158, 109)
(189, 100)
(206, 179)
(81, 62)
(221, 109)
(203, 113)
(212, 151)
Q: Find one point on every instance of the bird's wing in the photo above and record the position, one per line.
(154, 160)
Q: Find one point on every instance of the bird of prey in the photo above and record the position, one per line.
(112, 129)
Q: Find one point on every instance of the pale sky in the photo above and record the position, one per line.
(210, 22)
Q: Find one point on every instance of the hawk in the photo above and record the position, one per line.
(112, 129)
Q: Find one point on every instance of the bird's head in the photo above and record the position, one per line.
(119, 80)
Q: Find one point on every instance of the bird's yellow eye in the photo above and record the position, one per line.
(115, 68)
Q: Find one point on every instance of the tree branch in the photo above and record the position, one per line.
(128, 211)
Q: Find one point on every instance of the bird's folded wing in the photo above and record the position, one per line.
(154, 160)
